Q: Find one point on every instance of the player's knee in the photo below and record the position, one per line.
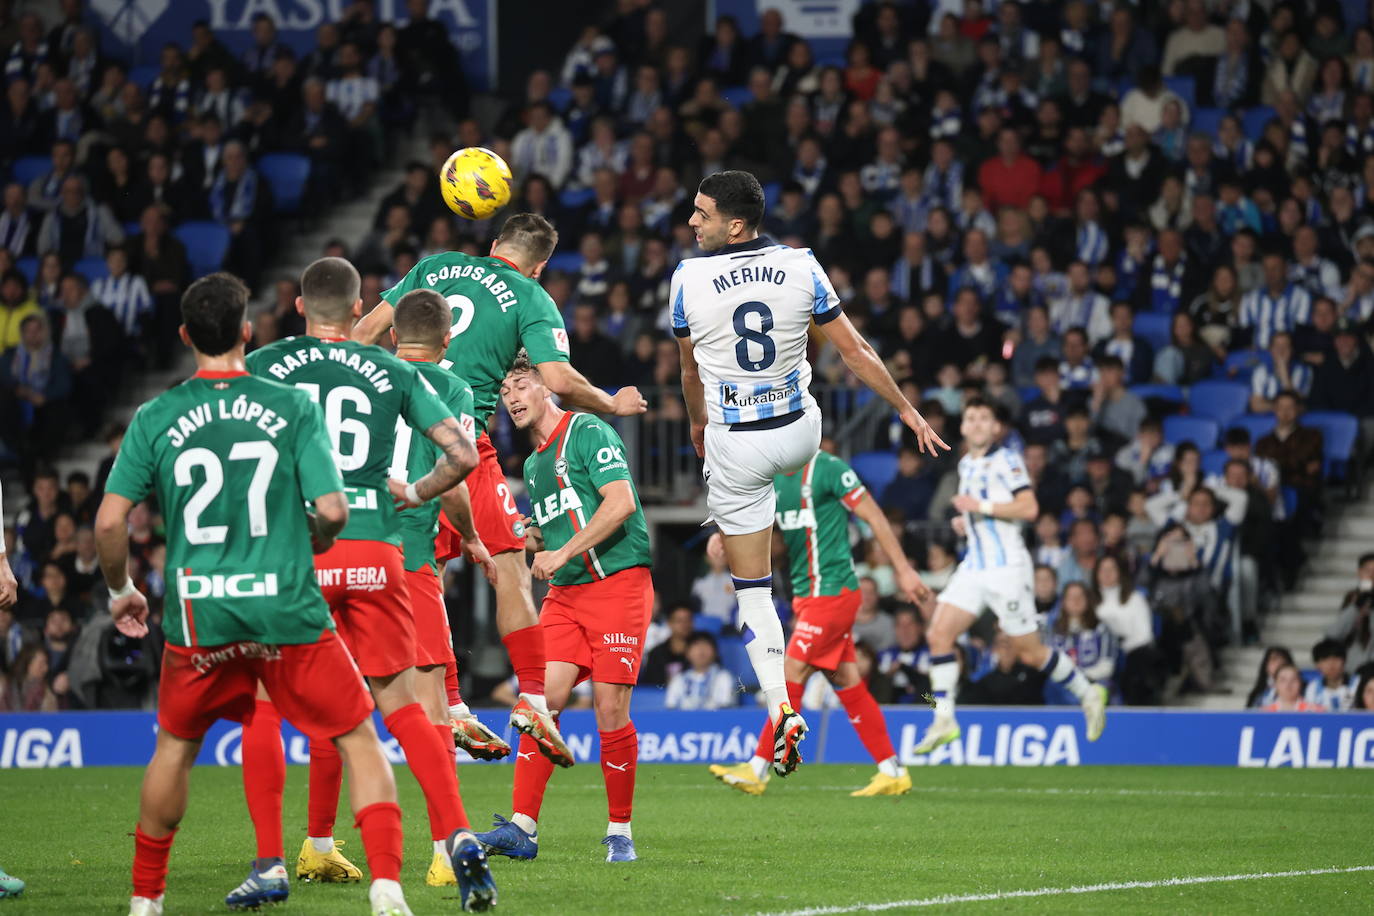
(796, 671)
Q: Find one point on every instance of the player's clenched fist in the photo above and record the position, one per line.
(628, 401)
(546, 563)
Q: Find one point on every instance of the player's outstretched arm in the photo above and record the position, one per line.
(458, 458)
(693, 393)
(573, 389)
(617, 504)
(374, 324)
(328, 519)
(128, 607)
(457, 505)
(863, 361)
(1024, 507)
(908, 579)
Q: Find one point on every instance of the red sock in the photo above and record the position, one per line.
(619, 757)
(532, 772)
(326, 781)
(765, 748)
(150, 863)
(264, 777)
(435, 816)
(380, 825)
(526, 650)
(432, 764)
(451, 683)
(867, 719)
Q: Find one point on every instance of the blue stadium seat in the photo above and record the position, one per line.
(1220, 400)
(771, 192)
(1152, 392)
(576, 198)
(143, 77)
(1259, 425)
(1206, 121)
(737, 96)
(1154, 327)
(92, 269)
(1255, 119)
(1027, 393)
(708, 624)
(1339, 431)
(1201, 431)
(1184, 87)
(1243, 363)
(735, 658)
(287, 173)
(27, 168)
(1214, 462)
(650, 699)
(29, 267)
(207, 242)
(559, 97)
(567, 261)
(875, 469)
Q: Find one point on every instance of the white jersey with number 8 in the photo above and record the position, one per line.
(747, 308)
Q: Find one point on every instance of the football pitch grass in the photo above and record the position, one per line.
(1021, 840)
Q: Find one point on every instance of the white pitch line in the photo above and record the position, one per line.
(1030, 790)
(947, 899)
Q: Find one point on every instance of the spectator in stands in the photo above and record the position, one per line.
(1279, 305)
(911, 491)
(18, 224)
(1082, 555)
(1297, 450)
(1115, 410)
(1345, 381)
(703, 684)
(1334, 688)
(1263, 692)
(35, 382)
(240, 200)
(872, 625)
(15, 305)
(669, 658)
(1010, 178)
(160, 258)
(907, 661)
(1281, 373)
(124, 293)
(1288, 692)
(714, 590)
(1008, 682)
(92, 341)
(544, 147)
(29, 689)
(1186, 359)
(78, 227)
(1352, 627)
(1125, 612)
(1079, 634)
(45, 191)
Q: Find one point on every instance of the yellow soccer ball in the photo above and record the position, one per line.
(475, 182)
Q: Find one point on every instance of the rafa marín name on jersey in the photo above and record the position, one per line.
(740, 275)
(369, 370)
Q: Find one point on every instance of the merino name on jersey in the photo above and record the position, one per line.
(748, 308)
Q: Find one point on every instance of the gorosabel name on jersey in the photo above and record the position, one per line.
(290, 362)
(504, 295)
(556, 504)
(240, 408)
(762, 274)
(795, 519)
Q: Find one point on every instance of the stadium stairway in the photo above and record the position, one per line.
(1304, 614)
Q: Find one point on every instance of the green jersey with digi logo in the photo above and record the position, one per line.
(813, 506)
(564, 477)
(496, 311)
(363, 390)
(232, 459)
(415, 456)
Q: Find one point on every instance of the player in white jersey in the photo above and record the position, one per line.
(995, 499)
(741, 315)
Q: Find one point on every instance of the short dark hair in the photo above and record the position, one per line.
(522, 363)
(532, 234)
(738, 195)
(1364, 558)
(702, 636)
(976, 403)
(212, 310)
(1110, 361)
(422, 317)
(1328, 648)
(1236, 435)
(1047, 364)
(329, 287)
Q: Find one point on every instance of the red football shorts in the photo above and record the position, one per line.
(600, 626)
(823, 637)
(315, 686)
(433, 640)
(498, 522)
(364, 583)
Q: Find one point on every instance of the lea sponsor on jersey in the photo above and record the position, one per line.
(240, 408)
(290, 362)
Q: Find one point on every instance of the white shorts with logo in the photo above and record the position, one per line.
(1008, 590)
(741, 464)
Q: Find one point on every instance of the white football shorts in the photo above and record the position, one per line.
(1008, 590)
(741, 464)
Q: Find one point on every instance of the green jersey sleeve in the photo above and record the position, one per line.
(599, 453)
(541, 329)
(842, 483)
(423, 407)
(314, 456)
(132, 474)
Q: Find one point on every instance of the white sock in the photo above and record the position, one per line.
(322, 844)
(763, 641)
(525, 823)
(441, 847)
(1062, 670)
(537, 701)
(889, 767)
(944, 677)
(760, 766)
(385, 886)
(614, 829)
(460, 711)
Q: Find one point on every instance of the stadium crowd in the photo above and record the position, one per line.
(1145, 232)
